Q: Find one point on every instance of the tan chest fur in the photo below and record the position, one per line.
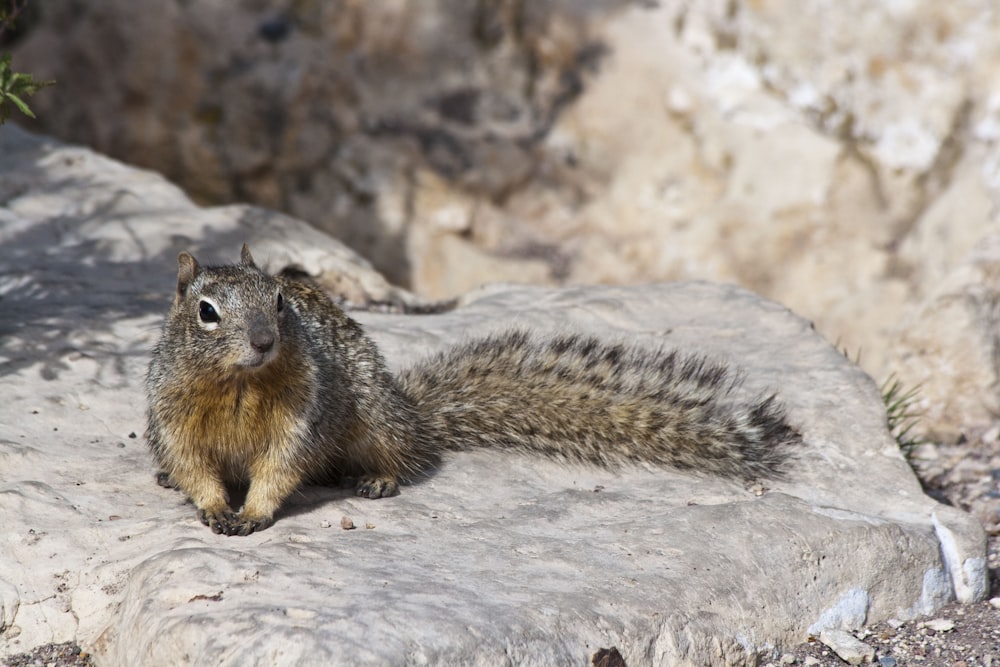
(227, 422)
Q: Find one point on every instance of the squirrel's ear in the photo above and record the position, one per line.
(187, 269)
(246, 259)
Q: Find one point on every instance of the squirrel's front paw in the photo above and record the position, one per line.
(376, 487)
(217, 521)
(232, 523)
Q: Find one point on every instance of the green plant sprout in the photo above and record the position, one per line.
(14, 86)
(901, 414)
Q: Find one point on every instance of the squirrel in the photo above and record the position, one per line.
(263, 381)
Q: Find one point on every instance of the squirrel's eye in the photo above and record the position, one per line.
(207, 312)
(281, 302)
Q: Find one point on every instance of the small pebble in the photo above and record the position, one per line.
(887, 661)
(325, 524)
(346, 523)
(995, 603)
(939, 624)
(788, 659)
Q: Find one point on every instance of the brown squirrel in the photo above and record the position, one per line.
(262, 380)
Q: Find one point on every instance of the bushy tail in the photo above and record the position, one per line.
(578, 399)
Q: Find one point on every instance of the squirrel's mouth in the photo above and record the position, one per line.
(253, 360)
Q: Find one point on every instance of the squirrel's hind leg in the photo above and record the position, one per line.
(382, 454)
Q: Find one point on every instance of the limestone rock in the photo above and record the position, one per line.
(147, 218)
(838, 157)
(322, 109)
(948, 348)
(492, 559)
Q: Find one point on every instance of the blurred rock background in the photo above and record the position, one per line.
(842, 157)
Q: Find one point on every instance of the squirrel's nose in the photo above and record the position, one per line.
(261, 335)
(263, 343)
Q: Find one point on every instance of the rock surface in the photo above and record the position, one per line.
(494, 557)
(949, 349)
(839, 157)
(322, 109)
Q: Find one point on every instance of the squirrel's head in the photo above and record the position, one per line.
(232, 315)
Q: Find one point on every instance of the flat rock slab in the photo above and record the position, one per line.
(494, 559)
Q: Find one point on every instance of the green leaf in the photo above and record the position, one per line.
(19, 103)
(14, 86)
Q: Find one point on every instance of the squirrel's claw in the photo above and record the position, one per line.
(220, 522)
(376, 487)
(232, 523)
(244, 526)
